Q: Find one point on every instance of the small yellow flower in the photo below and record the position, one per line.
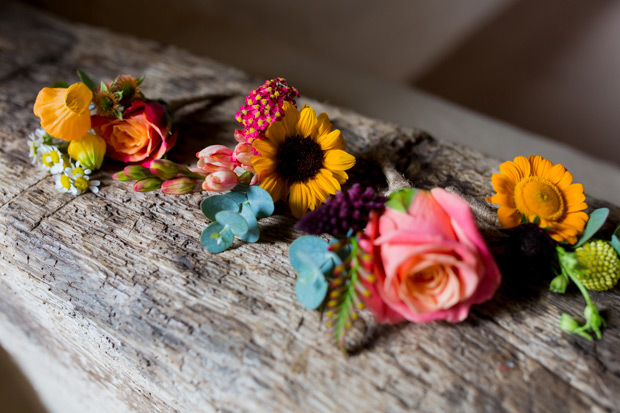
(538, 190)
(302, 159)
(64, 112)
(89, 151)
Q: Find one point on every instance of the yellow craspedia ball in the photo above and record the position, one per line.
(599, 265)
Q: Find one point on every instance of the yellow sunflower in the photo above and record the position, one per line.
(64, 112)
(302, 158)
(536, 189)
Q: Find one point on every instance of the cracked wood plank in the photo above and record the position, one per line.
(116, 292)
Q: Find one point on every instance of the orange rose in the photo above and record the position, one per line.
(142, 135)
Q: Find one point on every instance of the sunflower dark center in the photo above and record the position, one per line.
(299, 159)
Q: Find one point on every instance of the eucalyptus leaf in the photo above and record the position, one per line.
(308, 246)
(253, 231)
(239, 197)
(260, 202)
(237, 224)
(615, 242)
(241, 188)
(401, 200)
(214, 204)
(216, 237)
(596, 221)
(86, 80)
(311, 288)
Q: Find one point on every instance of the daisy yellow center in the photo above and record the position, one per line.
(299, 159)
(50, 159)
(535, 196)
(65, 182)
(78, 171)
(81, 184)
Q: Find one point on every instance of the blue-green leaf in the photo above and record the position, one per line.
(241, 188)
(234, 221)
(596, 221)
(260, 202)
(86, 80)
(401, 199)
(239, 197)
(216, 237)
(253, 230)
(311, 287)
(308, 246)
(214, 204)
(615, 242)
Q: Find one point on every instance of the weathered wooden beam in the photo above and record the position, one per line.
(114, 294)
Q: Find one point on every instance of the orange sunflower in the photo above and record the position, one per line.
(302, 159)
(539, 191)
(64, 112)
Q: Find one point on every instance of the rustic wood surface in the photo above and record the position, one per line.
(117, 289)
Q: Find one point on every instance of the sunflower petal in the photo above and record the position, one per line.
(299, 199)
(508, 217)
(263, 165)
(326, 181)
(291, 117)
(276, 133)
(338, 160)
(332, 140)
(503, 184)
(341, 176)
(275, 185)
(323, 125)
(540, 166)
(307, 122)
(265, 148)
(317, 192)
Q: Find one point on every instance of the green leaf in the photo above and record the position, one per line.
(241, 188)
(214, 204)
(311, 286)
(216, 237)
(86, 80)
(140, 80)
(596, 221)
(63, 85)
(237, 224)
(401, 200)
(103, 86)
(260, 202)
(615, 242)
(253, 231)
(239, 197)
(308, 246)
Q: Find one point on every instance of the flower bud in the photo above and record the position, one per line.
(147, 185)
(219, 155)
(220, 181)
(243, 156)
(599, 265)
(163, 168)
(568, 323)
(246, 178)
(137, 172)
(559, 284)
(120, 176)
(178, 186)
(89, 151)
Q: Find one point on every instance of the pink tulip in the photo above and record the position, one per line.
(219, 155)
(220, 181)
(243, 155)
(431, 262)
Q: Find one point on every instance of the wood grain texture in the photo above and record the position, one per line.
(117, 288)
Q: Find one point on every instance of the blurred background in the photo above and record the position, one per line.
(542, 68)
(545, 66)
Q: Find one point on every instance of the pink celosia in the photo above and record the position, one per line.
(263, 106)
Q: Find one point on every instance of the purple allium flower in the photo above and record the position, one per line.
(347, 210)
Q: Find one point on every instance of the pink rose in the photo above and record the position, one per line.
(431, 262)
(142, 135)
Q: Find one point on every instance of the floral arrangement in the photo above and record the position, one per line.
(550, 230)
(416, 255)
(413, 255)
(83, 122)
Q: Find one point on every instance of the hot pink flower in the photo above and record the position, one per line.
(431, 262)
(142, 135)
(220, 181)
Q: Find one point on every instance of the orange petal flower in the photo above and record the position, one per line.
(536, 189)
(64, 112)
